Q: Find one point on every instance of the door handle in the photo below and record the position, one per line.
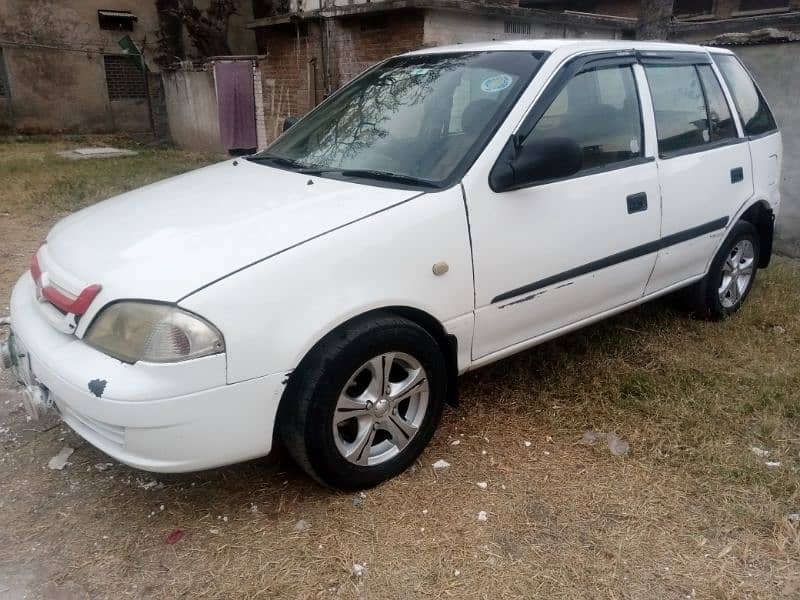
(637, 203)
(737, 175)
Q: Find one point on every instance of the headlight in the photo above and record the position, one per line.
(153, 332)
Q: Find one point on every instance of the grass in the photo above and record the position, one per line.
(689, 512)
(38, 183)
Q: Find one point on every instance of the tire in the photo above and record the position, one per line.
(342, 381)
(715, 296)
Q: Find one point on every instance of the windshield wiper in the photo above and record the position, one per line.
(387, 176)
(279, 161)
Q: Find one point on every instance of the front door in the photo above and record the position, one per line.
(558, 252)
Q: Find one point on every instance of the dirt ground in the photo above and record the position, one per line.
(690, 511)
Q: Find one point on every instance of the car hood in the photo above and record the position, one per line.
(168, 239)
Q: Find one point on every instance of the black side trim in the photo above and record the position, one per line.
(615, 259)
(659, 57)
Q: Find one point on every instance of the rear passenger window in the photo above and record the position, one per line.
(681, 118)
(719, 113)
(598, 109)
(753, 110)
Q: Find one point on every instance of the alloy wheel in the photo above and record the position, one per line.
(380, 409)
(737, 273)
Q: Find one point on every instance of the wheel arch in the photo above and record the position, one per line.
(448, 344)
(761, 215)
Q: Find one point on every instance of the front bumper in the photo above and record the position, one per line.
(156, 417)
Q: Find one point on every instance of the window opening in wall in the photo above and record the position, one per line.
(124, 77)
(374, 23)
(517, 27)
(116, 20)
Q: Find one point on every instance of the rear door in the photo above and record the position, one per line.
(758, 125)
(703, 163)
(562, 250)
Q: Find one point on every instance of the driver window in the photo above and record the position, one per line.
(599, 110)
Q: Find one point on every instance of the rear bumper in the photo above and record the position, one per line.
(156, 417)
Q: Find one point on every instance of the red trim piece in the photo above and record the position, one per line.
(36, 270)
(78, 306)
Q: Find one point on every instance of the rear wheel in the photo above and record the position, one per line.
(731, 276)
(365, 402)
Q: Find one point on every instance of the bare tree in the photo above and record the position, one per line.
(208, 29)
(655, 19)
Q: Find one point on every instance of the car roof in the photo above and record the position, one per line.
(568, 46)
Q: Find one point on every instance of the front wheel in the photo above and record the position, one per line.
(731, 276)
(365, 402)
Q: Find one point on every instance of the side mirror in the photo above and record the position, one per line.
(289, 122)
(535, 160)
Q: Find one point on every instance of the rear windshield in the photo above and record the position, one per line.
(423, 117)
(753, 110)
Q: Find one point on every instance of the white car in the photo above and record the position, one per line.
(446, 209)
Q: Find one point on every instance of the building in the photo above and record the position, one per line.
(81, 66)
(315, 47)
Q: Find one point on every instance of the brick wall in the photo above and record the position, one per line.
(293, 77)
(359, 42)
(291, 74)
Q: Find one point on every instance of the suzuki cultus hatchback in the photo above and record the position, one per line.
(447, 208)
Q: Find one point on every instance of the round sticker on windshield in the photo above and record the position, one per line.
(495, 84)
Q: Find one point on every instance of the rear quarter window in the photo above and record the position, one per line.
(750, 104)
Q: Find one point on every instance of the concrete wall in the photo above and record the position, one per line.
(776, 68)
(54, 66)
(193, 116)
(450, 27)
(53, 52)
(54, 91)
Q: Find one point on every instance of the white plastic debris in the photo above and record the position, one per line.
(302, 525)
(772, 464)
(527, 444)
(794, 517)
(59, 461)
(441, 464)
(591, 436)
(424, 511)
(759, 452)
(456, 572)
(455, 442)
(616, 445)
(359, 569)
(149, 485)
(482, 485)
(482, 516)
(104, 466)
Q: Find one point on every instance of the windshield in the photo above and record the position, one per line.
(413, 118)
